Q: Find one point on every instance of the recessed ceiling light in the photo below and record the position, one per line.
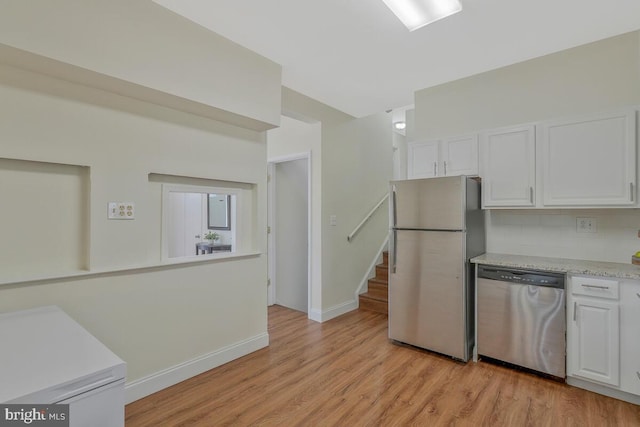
(415, 14)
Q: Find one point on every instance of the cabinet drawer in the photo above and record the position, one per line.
(593, 287)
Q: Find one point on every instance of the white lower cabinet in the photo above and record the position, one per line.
(603, 339)
(630, 337)
(594, 341)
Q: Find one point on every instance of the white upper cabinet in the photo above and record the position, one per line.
(589, 161)
(508, 167)
(447, 157)
(423, 158)
(460, 156)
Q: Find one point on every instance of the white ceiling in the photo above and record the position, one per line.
(357, 57)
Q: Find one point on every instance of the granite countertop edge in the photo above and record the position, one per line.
(561, 265)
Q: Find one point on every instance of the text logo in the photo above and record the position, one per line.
(12, 415)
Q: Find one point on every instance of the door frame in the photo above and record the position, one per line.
(271, 211)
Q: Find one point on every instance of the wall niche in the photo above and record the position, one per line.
(45, 219)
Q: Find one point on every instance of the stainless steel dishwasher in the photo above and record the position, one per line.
(521, 318)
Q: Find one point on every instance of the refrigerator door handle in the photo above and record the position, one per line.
(393, 227)
(394, 251)
(393, 207)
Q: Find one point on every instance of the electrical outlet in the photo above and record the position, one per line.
(333, 220)
(121, 210)
(586, 225)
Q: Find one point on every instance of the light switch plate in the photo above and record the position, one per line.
(121, 210)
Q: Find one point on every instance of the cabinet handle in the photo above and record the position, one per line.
(435, 168)
(445, 168)
(595, 286)
(638, 374)
(575, 305)
(631, 190)
(531, 194)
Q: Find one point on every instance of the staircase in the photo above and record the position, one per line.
(377, 297)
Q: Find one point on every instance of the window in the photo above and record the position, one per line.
(198, 221)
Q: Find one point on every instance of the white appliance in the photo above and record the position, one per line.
(48, 358)
(436, 226)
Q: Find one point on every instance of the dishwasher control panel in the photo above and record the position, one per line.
(527, 277)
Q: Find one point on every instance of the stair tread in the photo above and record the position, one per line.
(382, 287)
(382, 281)
(378, 296)
(377, 306)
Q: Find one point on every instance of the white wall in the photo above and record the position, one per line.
(296, 137)
(143, 43)
(355, 168)
(399, 156)
(590, 78)
(159, 317)
(552, 233)
(357, 162)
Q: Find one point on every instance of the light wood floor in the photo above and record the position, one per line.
(345, 372)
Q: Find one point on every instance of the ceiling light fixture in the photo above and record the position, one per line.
(415, 14)
(399, 125)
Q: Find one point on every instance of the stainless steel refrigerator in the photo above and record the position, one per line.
(436, 227)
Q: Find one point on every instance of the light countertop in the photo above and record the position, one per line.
(561, 265)
(47, 357)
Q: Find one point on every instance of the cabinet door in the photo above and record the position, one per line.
(593, 342)
(630, 337)
(508, 167)
(590, 161)
(100, 407)
(460, 156)
(422, 159)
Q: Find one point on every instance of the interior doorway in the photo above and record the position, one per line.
(289, 236)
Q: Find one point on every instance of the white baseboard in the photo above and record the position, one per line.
(335, 311)
(604, 390)
(142, 387)
(315, 315)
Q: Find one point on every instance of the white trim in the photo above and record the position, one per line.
(271, 192)
(335, 311)
(604, 390)
(180, 188)
(366, 218)
(87, 274)
(271, 248)
(315, 315)
(290, 157)
(369, 274)
(160, 380)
